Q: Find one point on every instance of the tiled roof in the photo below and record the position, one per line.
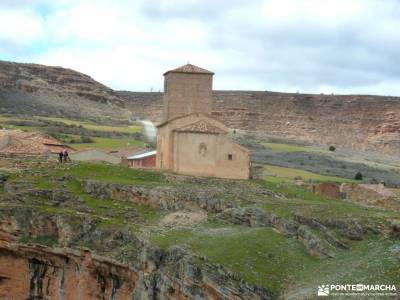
(20, 142)
(201, 127)
(189, 68)
(143, 154)
(125, 152)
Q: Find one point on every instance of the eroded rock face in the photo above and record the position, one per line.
(165, 198)
(36, 272)
(358, 122)
(123, 267)
(33, 89)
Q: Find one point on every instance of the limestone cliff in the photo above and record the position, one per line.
(133, 269)
(355, 121)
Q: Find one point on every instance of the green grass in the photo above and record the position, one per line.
(101, 143)
(103, 207)
(302, 200)
(267, 258)
(109, 173)
(108, 144)
(374, 260)
(44, 183)
(96, 127)
(283, 174)
(277, 147)
(261, 255)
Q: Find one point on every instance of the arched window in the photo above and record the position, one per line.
(202, 149)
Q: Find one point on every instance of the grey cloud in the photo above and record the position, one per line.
(303, 52)
(300, 51)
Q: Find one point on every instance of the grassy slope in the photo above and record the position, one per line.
(107, 143)
(267, 258)
(101, 143)
(110, 173)
(260, 255)
(283, 174)
(279, 147)
(98, 127)
(309, 204)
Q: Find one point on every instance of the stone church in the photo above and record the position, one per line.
(189, 140)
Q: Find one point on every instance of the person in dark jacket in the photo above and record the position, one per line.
(60, 157)
(66, 156)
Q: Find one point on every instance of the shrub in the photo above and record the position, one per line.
(332, 148)
(86, 139)
(358, 176)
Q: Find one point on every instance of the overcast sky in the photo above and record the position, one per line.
(339, 46)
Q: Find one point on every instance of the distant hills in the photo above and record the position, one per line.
(32, 89)
(359, 122)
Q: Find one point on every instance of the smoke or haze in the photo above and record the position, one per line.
(149, 131)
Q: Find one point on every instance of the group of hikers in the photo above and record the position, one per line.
(63, 156)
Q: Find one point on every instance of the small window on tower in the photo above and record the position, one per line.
(230, 156)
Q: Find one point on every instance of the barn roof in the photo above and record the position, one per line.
(143, 154)
(19, 142)
(189, 68)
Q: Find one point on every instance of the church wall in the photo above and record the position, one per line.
(179, 151)
(210, 155)
(196, 153)
(165, 138)
(232, 160)
(164, 159)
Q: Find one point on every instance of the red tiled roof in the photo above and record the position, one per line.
(189, 68)
(20, 142)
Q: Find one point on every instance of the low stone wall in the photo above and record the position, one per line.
(375, 195)
(331, 190)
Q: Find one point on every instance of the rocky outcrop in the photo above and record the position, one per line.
(144, 105)
(255, 217)
(32, 89)
(124, 267)
(395, 229)
(163, 197)
(329, 235)
(355, 121)
(348, 228)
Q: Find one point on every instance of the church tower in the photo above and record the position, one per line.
(187, 89)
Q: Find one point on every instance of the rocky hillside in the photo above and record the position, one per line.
(32, 89)
(93, 231)
(358, 122)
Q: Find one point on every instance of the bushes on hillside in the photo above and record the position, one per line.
(358, 176)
